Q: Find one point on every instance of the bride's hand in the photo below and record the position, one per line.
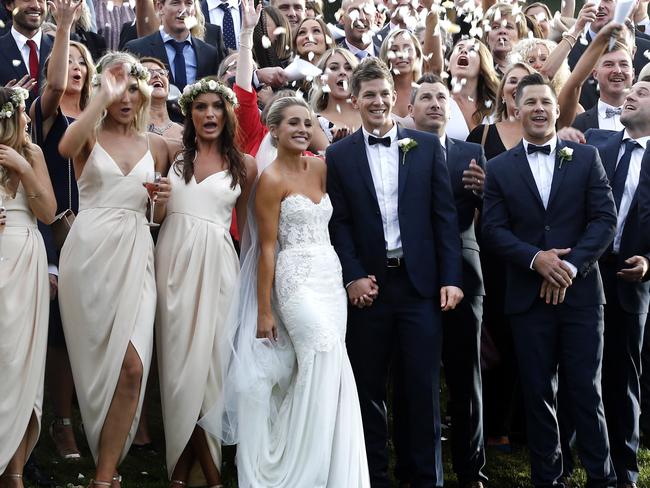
(266, 328)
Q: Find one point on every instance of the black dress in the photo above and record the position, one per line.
(66, 193)
(493, 144)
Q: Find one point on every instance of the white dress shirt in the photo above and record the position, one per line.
(354, 49)
(21, 42)
(384, 168)
(543, 166)
(631, 182)
(612, 123)
(216, 15)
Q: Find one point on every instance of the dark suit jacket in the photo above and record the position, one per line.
(589, 94)
(459, 155)
(206, 14)
(633, 297)
(208, 57)
(375, 41)
(427, 214)
(9, 53)
(580, 215)
(643, 195)
(587, 119)
(212, 36)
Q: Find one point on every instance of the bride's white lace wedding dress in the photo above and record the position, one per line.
(292, 405)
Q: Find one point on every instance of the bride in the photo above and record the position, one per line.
(290, 401)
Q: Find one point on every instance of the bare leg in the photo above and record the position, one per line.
(12, 477)
(61, 387)
(120, 415)
(202, 453)
(183, 465)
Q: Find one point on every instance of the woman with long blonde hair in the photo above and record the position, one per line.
(107, 287)
(26, 194)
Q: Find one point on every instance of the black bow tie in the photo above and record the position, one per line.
(532, 149)
(372, 140)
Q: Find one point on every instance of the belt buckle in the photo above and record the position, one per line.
(397, 261)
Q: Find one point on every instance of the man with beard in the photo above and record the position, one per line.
(24, 48)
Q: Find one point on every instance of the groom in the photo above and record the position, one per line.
(395, 230)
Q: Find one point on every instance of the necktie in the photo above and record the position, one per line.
(372, 140)
(361, 55)
(180, 75)
(33, 63)
(620, 175)
(228, 26)
(611, 112)
(532, 149)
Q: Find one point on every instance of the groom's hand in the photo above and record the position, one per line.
(362, 292)
(450, 297)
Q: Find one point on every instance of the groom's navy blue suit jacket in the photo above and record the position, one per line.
(427, 214)
(580, 215)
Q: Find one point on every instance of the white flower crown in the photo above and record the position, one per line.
(134, 69)
(190, 92)
(16, 100)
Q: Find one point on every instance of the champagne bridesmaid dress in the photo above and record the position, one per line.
(107, 287)
(196, 272)
(24, 312)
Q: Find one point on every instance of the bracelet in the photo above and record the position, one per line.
(245, 45)
(34, 196)
(568, 34)
(568, 42)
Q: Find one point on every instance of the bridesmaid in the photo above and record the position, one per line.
(26, 193)
(196, 272)
(107, 288)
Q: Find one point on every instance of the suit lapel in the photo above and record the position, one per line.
(522, 166)
(360, 156)
(559, 172)
(403, 162)
(202, 60)
(11, 53)
(609, 154)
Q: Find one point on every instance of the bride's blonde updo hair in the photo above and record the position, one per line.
(139, 72)
(275, 116)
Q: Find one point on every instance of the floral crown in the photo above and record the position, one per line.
(16, 100)
(135, 69)
(190, 92)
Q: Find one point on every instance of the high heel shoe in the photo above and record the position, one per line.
(66, 453)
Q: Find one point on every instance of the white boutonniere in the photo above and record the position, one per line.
(566, 154)
(406, 145)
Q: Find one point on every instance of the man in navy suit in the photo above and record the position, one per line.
(549, 213)
(227, 15)
(430, 110)
(395, 230)
(624, 270)
(186, 58)
(24, 49)
(358, 19)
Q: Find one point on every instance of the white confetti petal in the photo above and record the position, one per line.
(279, 31)
(266, 42)
(310, 56)
(109, 6)
(190, 22)
(488, 104)
(338, 108)
(15, 62)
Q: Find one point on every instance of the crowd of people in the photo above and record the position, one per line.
(306, 216)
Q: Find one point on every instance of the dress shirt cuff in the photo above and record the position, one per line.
(53, 269)
(533, 260)
(573, 269)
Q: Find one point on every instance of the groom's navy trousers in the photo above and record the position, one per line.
(405, 319)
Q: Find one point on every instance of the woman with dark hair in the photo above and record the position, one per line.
(69, 71)
(271, 39)
(196, 272)
(26, 194)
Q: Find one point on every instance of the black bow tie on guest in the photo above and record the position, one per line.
(532, 149)
(372, 140)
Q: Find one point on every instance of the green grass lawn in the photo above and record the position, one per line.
(148, 470)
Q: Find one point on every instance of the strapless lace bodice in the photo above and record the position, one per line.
(304, 223)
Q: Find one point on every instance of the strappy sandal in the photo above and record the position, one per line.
(176, 482)
(100, 483)
(117, 479)
(12, 476)
(67, 454)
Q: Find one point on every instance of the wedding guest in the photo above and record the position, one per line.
(474, 84)
(311, 40)
(542, 15)
(226, 15)
(358, 17)
(209, 178)
(546, 57)
(506, 28)
(292, 10)
(26, 195)
(159, 121)
(429, 109)
(402, 53)
(81, 30)
(400, 268)
(626, 280)
(68, 71)
(550, 240)
(272, 28)
(107, 288)
(111, 15)
(336, 116)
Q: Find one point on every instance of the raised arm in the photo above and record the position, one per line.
(432, 48)
(146, 18)
(267, 212)
(568, 8)
(564, 47)
(57, 74)
(80, 136)
(245, 63)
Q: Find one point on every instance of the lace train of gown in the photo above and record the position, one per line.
(300, 422)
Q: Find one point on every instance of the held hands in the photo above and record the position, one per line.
(64, 11)
(450, 297)
(25, 82)
(266, 328)
(549, 264)
(10, 159)
(474, 178)
(551, 293)
(637, 270)
(363, 292)
(54, 286)
(251, 14)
